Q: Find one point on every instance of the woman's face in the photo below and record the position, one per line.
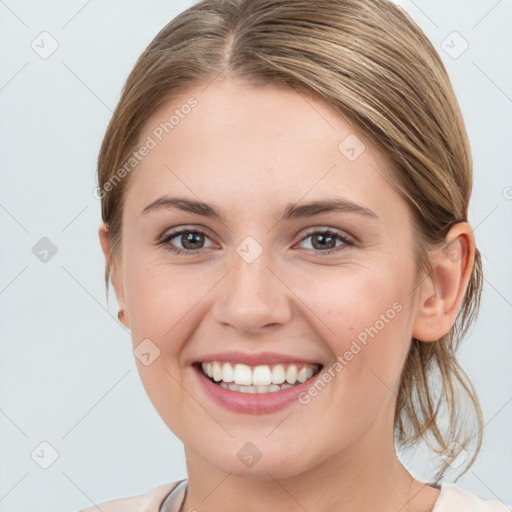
(263, 285)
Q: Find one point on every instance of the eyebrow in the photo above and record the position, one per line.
(291, 211)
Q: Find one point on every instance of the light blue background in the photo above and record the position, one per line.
(67, 372)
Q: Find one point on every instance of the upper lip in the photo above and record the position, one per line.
(259, 358)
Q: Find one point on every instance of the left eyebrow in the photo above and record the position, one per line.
(291, 211)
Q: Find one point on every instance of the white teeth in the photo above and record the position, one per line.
(262, 376)
(217, 371)
(243, 374)
(291, 374)
(254, 389)
(258, 379)
(227, 373)
(278, 375)
(302, 375)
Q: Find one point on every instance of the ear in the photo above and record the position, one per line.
(115, 270)
(443, 290)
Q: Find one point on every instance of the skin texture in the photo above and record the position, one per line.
(251, 151)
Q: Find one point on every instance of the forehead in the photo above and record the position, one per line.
(264, 143)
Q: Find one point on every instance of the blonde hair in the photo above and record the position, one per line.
(374, 66)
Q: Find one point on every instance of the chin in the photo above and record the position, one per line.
(267, 463)
(264, 471)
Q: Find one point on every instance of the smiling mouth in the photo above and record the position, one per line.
(258, 379)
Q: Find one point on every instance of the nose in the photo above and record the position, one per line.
(252, 296)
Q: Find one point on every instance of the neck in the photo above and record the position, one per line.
(366, 476)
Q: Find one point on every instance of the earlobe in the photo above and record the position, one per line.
(442, 292)
(106, 247)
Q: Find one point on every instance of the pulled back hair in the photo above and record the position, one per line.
(371, 63)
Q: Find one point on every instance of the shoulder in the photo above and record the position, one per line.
(454, 499)
(149, 502)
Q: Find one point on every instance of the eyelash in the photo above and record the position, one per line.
(347, 242)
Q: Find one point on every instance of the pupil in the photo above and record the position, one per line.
(324, 237)
(190, 238)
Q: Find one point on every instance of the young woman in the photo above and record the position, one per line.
(285, 188)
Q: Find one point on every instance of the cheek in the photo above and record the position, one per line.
(159, 297)
(355, 299)
(368, 324)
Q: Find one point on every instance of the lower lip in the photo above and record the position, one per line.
(253, 403)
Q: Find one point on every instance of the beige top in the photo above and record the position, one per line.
(451, 499)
